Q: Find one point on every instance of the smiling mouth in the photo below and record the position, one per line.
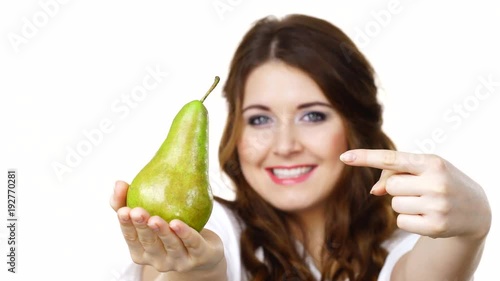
(284, 173)
(290, 175)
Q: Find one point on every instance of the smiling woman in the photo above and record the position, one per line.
(298, 164)
(321, 192)
(304, 103)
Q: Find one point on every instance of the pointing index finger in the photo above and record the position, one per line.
(384, 159)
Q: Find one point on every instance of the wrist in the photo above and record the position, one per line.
(482, 227)
(217, 272)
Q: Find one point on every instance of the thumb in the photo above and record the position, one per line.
(119, 197)
(379, 188)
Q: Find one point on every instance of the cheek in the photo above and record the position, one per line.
(246, 152)
(326, 143)
(338, 143)
(254, 145)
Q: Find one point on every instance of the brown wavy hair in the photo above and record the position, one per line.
(357, 223)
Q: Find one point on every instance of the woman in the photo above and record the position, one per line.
(321, 193)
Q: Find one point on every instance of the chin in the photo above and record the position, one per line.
(292, 205)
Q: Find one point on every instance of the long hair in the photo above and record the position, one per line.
(357, 223)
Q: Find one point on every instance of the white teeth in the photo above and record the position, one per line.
(291, 173)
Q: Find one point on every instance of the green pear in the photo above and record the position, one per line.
(175, 183)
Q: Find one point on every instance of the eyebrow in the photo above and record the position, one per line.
(309, 104)
(300, 106)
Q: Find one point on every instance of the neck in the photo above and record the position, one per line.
(308, 227)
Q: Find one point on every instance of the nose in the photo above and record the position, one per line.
(286, 141)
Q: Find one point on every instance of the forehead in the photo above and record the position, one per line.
(275, 82)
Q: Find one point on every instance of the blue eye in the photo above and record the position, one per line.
(314, 116)
(258, 120)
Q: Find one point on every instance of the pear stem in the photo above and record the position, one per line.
(217, 79)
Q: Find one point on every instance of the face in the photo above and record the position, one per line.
(291, 139)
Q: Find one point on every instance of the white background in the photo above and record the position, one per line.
(65, 65)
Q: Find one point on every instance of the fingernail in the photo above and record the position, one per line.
(348, 157)
(124, 219)
(375, 187)
(154, 227)
(176, 228)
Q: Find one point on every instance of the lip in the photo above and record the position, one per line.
(290, 181)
